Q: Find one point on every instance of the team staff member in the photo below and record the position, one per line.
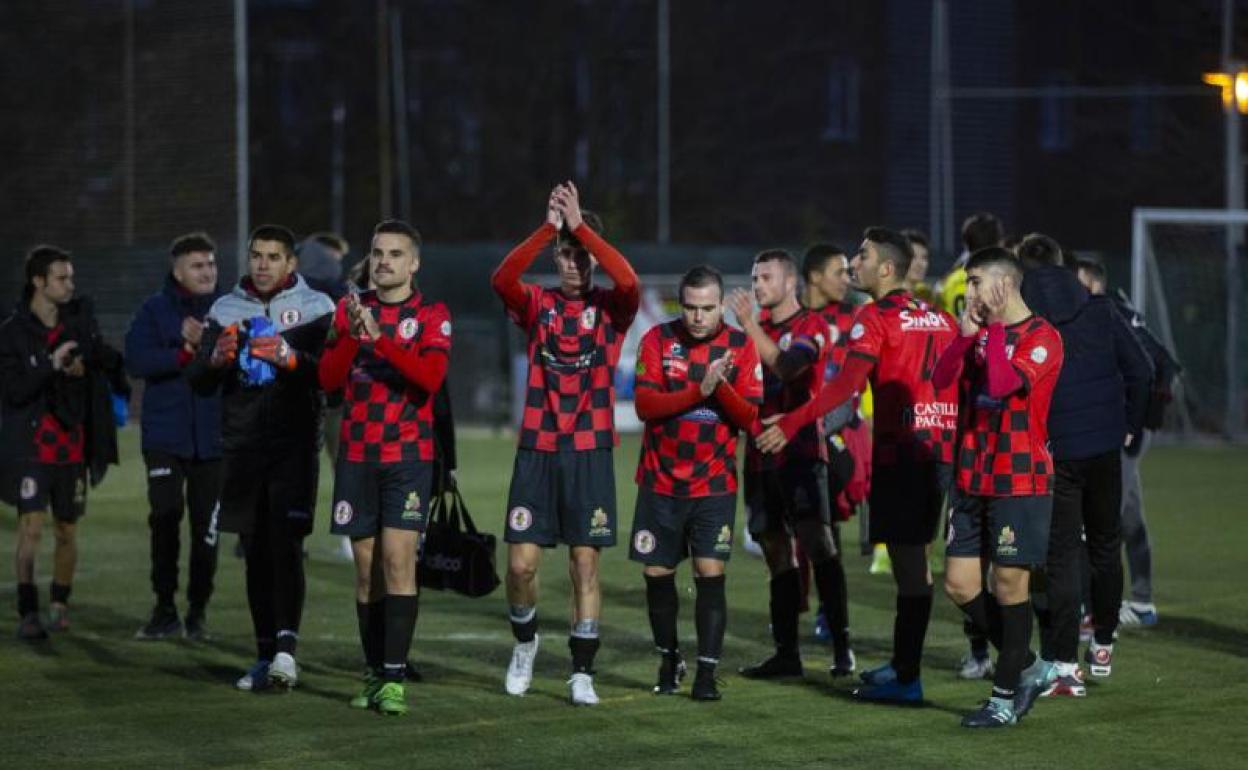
(260, 350)
(181, 433)
(563, 483)
(699, 382)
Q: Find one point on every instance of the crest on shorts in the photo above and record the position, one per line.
(411, 506)
(598, 521)
(29, 488)
(290, 316)
(520, 518)
(408, 328)
(80, 491)
(723, 542)
(644, 542)
(1005, 542)
(588, 316)
(343, 513)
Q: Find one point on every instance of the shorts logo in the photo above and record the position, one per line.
(156, 473)
(1005, 543)
(520, 518)
(857, 331)
(446, 328)
(80, 491)
(411, 507)
(598, 521)
(29, 488)
(644, 542)
(588, 316)
(1039, 354)
(408, 328)
(786, 340)
(343, 513)
(290, 317)
(723, 542)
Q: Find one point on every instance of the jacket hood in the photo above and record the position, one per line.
(316, 263)
(1054, 294)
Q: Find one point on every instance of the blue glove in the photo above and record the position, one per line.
(121, 409)
(256, 372)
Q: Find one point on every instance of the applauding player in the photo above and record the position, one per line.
(388, 351)
(698, 383)
(563, 483)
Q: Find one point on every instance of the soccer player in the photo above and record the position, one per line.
(260, 350)
(563, 482)
(54, 430)
(787, 494)
(1006, 362)
(181, 434)
(699, 382)
(388, 351)
(894, 343)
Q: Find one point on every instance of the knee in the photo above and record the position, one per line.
(960, 589)
(521, 570)
(64, 533)
(583, 569)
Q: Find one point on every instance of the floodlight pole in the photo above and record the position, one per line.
(1234, 235)
(663, 172)
(242, 169)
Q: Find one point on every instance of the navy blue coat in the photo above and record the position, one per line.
(175, 419)
(1102, 391)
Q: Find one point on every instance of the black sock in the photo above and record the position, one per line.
(663, 605)
(287, 641)
(977, 638)
(523, 622)
(266, 648)
(60, 593)
(711, 610)
(786, 598)
(27, 599)
(583, 648)
(982, 614)
(1015, 639)
(370, 636)
(909, 631)
(830, 583)
(401, 612)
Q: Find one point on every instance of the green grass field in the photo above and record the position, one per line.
(1178, 696)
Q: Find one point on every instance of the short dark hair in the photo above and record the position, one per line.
(893, 247)
(332, 240)
(282, 235)
(995, 256)
(817, 257)
(777, 255)
(915, 236)
(591, 219)
(699, 276)
(192, 242)
(38, 261)
(1039, 250)
(399, 227)
(1091, 265)
(981, 230)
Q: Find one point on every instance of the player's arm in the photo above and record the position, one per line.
(834, 392)
(147, 355)
(1002, 377)
(625, 296)
(340, 351)
(21, 382)
(424, 365)
(651, 399)
(516, 295)
(742, 398)
(218, 348)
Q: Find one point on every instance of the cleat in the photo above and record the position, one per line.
(1143, 614)
(671, 672)
(284, 672)
(776, 667)
(581, 690)
(705, 685)
(391, 700)
(844, 665)
(971, 667)
(58, 617)
(163, 624)
(881, 563)
(31, 629)
(892, 691)
(520, 670)
(195, 629)
(994, 713)
(1100, 658)
(1085, 628)
(1065, 686)
(256, 678)
(368, 693)
(1032, 683)
(878, 675)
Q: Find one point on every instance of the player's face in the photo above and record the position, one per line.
(833, 280)
(57, 286)
(392, 261)
(196, 272)
(269, 264)
(575, 268)
(771, 283)
(918, 265)
(979, 282)
(702, 308)
(864, 269)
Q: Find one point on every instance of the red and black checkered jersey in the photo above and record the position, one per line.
(693, 454)
(840, 318)
(574, 346)
(54, 443)
(386, 418)
(903, 336)
(804, 331)
(1003, 443)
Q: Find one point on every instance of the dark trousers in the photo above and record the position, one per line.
(175, 485)
(1087, 503)
(273, 553)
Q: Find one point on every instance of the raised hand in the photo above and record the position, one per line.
(274, 349)
(715, 374)
(225, 351)
(740, 302)
(62, 354)
(568, 201)
(772, 439)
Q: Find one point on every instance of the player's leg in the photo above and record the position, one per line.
(1059, 625)
(587, 524)
(710, 542)
(531, 525)
(1102, 526)
(354, 516)
(69, 502)
(964, 566)
(658, 544)
(1139, 610)
(29, 533)
(807, 489)
(165, 482)
(203, 488)
(765, 508)
(259, 580)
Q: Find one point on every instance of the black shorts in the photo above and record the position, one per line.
(1013, 531)
(907, 500)
(370, 495)
(60, 488)
(562, 497)
(777, 499)
(281, 486)
(667, 529)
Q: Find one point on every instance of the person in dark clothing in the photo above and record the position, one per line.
(181, 433)
(56, 424)
(260, 349)
(1098, 406)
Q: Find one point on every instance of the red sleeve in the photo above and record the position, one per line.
(340, 350)
(624, 299)
(740, 411)
(949, 366)
(867, 335)
(424, 368)
(749, 379)
(506, 281)
(1003, 379)
(1037, 355)
(653, 404)
(835, 392)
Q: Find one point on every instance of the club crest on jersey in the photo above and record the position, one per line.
(29, 488)
(723, 542)
(343, 513)
(520, 518)
(290, 316)
(644, 542)
(408, 328)
(785, 341)
(598, 521)
(588, 316)
(758, 372)
(676, 351)
(1039, 354)
(857, 331)
(445, 328)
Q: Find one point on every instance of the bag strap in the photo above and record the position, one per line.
(462, 509)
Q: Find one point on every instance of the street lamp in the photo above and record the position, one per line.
(1234, 87)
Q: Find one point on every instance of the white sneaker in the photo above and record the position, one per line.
(971, 667)
(520, 670)
(284, 671)
(581, 690)
(256, 678)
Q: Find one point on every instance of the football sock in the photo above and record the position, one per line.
(830, 583)
(980, 621)
(523, 622)
(371, 619)
(401, 612)
(909, 631)
(663, 605)
(583, 643)
(786, 590)
(27, 599)
(287, 641)
(1016, 636)
(60, 593)
(711, 611)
